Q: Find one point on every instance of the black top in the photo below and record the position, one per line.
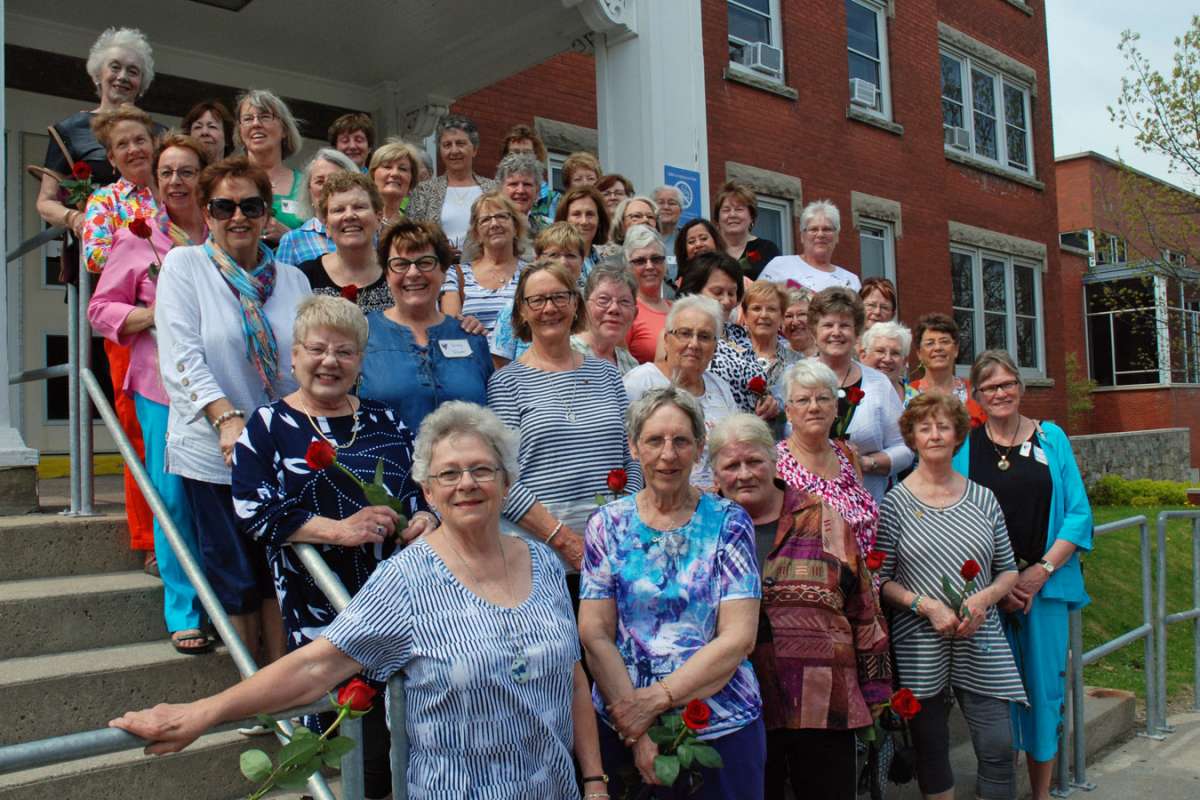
(764, 540)
(375, 297)
(1023, 490)
(843, 405)
(756, 256)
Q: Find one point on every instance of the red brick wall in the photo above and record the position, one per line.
(1146, 409)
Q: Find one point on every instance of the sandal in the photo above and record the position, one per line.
(150, 565)
(180, 638)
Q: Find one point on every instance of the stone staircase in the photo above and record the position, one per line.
(81, 641)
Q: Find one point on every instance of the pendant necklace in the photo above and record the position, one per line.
(333, 442)
(1003, 464)
(841, 392)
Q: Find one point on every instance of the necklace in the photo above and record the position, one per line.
(332, 442)
(1003, 464)
(842, 382)
(519, 667)
(568, 404)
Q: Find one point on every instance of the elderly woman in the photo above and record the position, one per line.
(814, 622)
(304, 502)
(736, 211)
(522, 139)
(795, 322)
(394, 168)
(884, 347)
(353, 135)
(417, 356)
(580, 170)
(936, 337)
(213, 377)
(350, 205)
(487, 277)
(762, 317)
(814, 463)
(269, 135)
(614, 188)
(1030, 468)
(693, 328)
(569, 410)
(836, 319)
(936, 528)
(669, 609)
(449, 199)
(609, 297)
(520, 176)
(879, 300)
(636, 210)
(669, 201)
(820, 222)
(122, 310)
(313, 239)
(495, 602)
(647, 260)
(211, 124)
(697, 236)
(583, 207)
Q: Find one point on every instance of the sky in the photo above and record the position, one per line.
(1086, 70)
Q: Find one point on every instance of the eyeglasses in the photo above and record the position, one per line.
(479, 474)
(490, 218)
(265, 117)
(538, 301)
(678, 443)
(997, 388)
(878, 306)
(687, 334)
(320, 351)
(639, 216)
(423, 264)
(641, 261)
(603, 301)
(618, 192)
(222, 208)
(944, 341)
(674, 203)
(817, 400)
(824, 229)
(184, 173)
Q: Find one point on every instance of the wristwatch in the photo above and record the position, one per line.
(1047, 565)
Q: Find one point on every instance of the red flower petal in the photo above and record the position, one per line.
(970, 569)
(358, 694)
(756, 385)
(617, 480)
(320, 454)
(696, 715)
(350, 292)
(140, 228)
(81, 171)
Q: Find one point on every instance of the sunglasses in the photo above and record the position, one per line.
(222, 208)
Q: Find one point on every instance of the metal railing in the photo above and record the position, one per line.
(1164, 619)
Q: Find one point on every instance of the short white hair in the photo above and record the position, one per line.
(811, 373)
(642, 236)
(888, 330)
(698, 302)
(667, 188)
(331, 156)
(460, 418)
(741, 428)
(130, 39)
(821, 208)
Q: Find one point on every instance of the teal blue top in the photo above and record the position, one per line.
(1070, 512)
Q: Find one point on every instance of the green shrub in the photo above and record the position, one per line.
(1113, 490)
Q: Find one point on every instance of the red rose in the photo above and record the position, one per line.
(757, 384)
(977, 421)
(854, 395)
(81, 171)
(617, 480)
(875, 560)
(357, 694)
(754, 255)
(140, 228)
(350, 293)
(905, 703)
(696, 714)
(320, 454)
(970, 569)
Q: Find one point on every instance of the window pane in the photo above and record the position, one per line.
(994, 292)
(874, 260)
(1027, 355)
(966, 337)
(983, 93)
(1014, 107)
(1135, 339)
(951, 79)
(1016, 127)
(1017, 149)
(862, 34)
(960, 276)
(1024, 300)
(1100, 350)
(952, 113)
(1119, 295)
(749, 26)
(995, 331)
(769, 225)
(865, 68)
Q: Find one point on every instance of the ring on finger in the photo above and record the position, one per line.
(380, 530)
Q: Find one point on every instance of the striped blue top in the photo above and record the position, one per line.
(479, 302)
(473, 730)
(572, 427)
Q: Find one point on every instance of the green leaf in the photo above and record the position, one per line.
(293, 779)
(685, 754)
(302, 732)
(379, 472)
(255, 765)
(266, 720)
(340, 745)
(706, 756)
(377, 495)
(298, 751)
(661, 735)
(868, 734)
(666, 768)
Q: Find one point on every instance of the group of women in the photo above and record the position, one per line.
(727, 489)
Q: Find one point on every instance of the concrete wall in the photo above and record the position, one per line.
(1162, 454)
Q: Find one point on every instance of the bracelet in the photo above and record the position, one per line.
(554, 532)
(225, 417)
(915, 605)
(595, 795)
(665, 688)
(602, 778)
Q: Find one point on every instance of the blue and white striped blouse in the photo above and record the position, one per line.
(482, 303)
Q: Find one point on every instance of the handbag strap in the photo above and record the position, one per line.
(54, 134)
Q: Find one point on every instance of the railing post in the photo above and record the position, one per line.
(1160, 631)
(73, 402)
(353, 776)
(1078, 725)
(1196, 620)
(87, 461)
(397, 723)
(1149, 644)
(1062, 775)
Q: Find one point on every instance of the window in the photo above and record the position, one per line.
(554, 165)
(1080, 240)
(1122, 332)
(997, 304)
(756, 22)
(1174, 258)
(1183, 328)
(866, 42)
(985, 113)
(1110, 249)
(877, 249)
(774, 222)
(56, 395)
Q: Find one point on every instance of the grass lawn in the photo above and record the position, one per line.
(1112, 572)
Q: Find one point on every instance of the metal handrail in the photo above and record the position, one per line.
(1164, 619)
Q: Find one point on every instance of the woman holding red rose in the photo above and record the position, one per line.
(937, 527)
(736, 210)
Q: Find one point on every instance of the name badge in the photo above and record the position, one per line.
(1039, 455)
(288, 206)
(455, 348)
(1025, 448)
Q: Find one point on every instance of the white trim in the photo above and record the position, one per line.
(978, 316)
(775, 24)
(968, 66)
(885, 232)
(785, 209)
(880, 10)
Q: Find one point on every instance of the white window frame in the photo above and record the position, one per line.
(775, 18)
(967, 67)
(884, 97)
(783, 207)
(887, 233)
(977, 256)
(554, 161)
(1114, 248)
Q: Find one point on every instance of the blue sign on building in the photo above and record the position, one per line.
(687, 181)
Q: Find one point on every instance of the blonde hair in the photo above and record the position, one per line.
(766, 290)
(472, 249)
(741, 428)
(335, 313)
(267, 100)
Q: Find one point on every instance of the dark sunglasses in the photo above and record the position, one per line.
(222, 208)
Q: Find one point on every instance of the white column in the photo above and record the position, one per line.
(651, 111)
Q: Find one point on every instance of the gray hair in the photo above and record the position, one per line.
(617, 233)
(326, 311)
(741, 428)
(988, 362)
(798, 294)
(698, 302)
(608, 272)
(810, 373)
(520, 164)
(667, 188)
(457, 122)
(267, 100)
(640, 237)
(644, 407)
(130, 39)
(460, 418)
(821, 208)
(888, 330)
(329, 155)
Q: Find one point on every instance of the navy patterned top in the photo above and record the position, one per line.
(275, 492)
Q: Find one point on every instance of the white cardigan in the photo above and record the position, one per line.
(202, 354)
(876, 427)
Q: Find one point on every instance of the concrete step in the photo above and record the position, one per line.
(52, 695)
(49, 545)
(58, 615)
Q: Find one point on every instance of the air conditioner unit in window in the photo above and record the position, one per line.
(957, 137)
(862, 93)
(761, 57)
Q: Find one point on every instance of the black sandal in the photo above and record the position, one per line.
(193, 635)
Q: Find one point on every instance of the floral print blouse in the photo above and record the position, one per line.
(109, 209)
(845, 493)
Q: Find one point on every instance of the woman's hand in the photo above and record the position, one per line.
(370, 525)
(940, 616)
(472, 325)
(170, 727)
(1009, 603)
(421, 522)
(1030, 582)
(75, 222)
(970, 622)
(644, 752)
(635, 713)
(569, 545)
(767, 407)
(231, 429)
